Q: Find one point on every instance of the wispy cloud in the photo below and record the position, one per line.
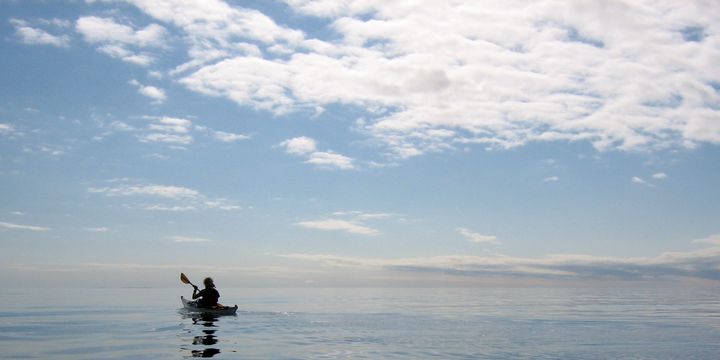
(307, 147)
(187, 239)
(354, 222)
(339, 225)
(168, 130)
(97, 229)
(229, 137)
(652, 181)
(165, 191)
(170, 139)
(638, 180)
(551, 179)
(35, 36)
(174, 132)
(477, 238)
(122, 53)
(11, 226)
(172, 198)
(171, 208)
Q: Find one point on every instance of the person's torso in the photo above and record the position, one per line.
(210, 296)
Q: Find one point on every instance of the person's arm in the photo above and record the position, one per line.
(196, 294)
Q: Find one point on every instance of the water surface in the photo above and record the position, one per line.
(486, 323)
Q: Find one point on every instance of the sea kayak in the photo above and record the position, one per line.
(191, 306)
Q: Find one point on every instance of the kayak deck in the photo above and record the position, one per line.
(191, 306)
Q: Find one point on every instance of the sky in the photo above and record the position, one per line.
(359, 142)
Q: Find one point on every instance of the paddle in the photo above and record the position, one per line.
(185, 280)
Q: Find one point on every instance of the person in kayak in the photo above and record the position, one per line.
(209, 296)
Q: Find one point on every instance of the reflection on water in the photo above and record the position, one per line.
(204, 329)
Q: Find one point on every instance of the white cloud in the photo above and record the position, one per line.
(35, 36)
(659, 176)
(105, 30)
(186, 239)
(638, 180)
(302, 145)
(6, 129)
(216, 30)
(435, 75)
(156, 94)
(339, 225)
(477, 238)
(307, 147)
(117, 40)
(551, 179)
(330, 160)
(11, 226)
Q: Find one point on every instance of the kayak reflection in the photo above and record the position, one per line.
(204, 325)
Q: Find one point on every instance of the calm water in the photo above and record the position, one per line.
(528, 323)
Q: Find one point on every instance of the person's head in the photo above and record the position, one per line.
(209, 282)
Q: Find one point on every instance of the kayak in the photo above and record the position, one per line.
(191, 306)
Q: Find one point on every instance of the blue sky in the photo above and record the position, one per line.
(330, 143)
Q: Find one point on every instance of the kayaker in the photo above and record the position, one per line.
(209, 296)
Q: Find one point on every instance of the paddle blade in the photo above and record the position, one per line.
(184, 279)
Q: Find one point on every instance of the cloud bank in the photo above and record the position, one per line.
(434, 75)
(703, 264)
(431, 76)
